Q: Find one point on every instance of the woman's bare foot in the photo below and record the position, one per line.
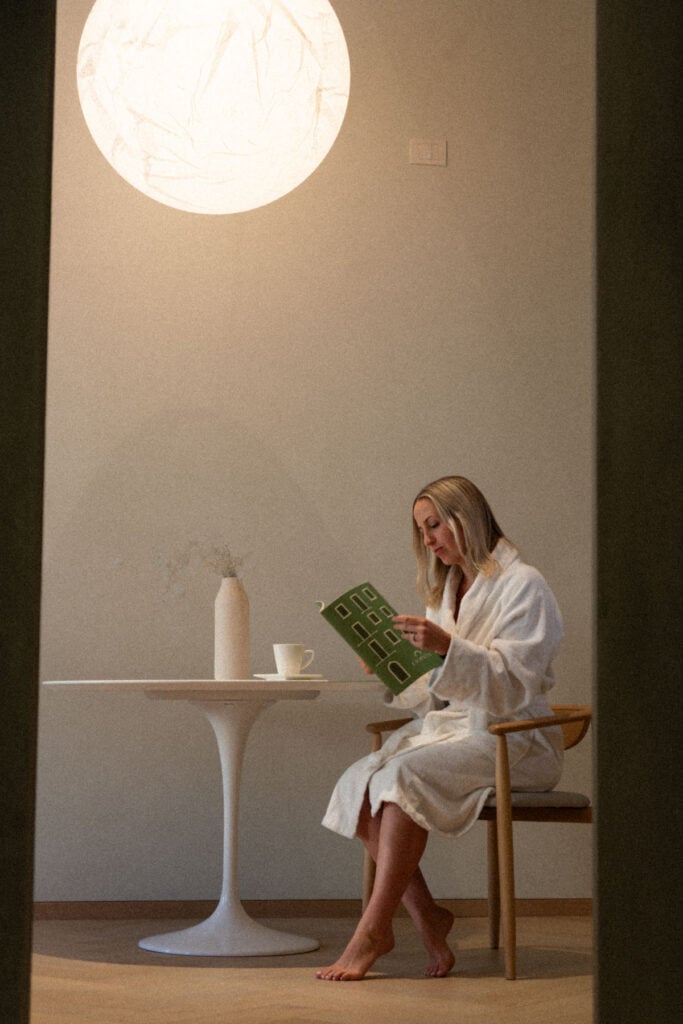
(433, 933)
(363, 949)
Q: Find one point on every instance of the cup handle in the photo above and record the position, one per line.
(308, 658)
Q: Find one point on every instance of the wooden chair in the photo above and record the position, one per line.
(504, 807)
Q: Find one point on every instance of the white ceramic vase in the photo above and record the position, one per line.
(231, 631)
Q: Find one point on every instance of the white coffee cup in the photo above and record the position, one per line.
(292, 659)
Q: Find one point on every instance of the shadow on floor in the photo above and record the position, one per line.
(115, 942)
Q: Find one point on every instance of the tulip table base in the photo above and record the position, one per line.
(229, 931)
(231, 707)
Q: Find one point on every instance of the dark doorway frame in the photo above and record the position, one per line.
(639, 334)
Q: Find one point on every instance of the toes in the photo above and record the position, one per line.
(439, 970)
(339, 975)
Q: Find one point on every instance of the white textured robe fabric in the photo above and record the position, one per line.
(440, 767)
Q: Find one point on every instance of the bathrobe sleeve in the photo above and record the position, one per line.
(502, 663)
(418, 699)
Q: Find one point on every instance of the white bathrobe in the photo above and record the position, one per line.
(440, 767)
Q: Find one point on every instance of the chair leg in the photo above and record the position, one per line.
(505, 857)
(368, 862)
(494, 883)
(368, 877)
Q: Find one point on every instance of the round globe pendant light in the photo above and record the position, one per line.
(213, 106)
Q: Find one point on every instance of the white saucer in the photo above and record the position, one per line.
(275, 678)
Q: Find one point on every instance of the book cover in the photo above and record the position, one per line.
(364, 619)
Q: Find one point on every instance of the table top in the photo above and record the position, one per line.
(222, 689)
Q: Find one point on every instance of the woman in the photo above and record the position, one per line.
(498, 627)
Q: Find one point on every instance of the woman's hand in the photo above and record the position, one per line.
(368, 671)
(422, 633)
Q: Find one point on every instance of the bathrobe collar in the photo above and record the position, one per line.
(505, 554)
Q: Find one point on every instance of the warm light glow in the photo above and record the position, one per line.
(213, 106)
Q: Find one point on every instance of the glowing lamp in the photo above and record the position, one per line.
(213, 106)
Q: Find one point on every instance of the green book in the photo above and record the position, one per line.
(364, 619)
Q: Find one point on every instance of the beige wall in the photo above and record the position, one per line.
(283, 381)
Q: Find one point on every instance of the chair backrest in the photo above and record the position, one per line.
(574, 729)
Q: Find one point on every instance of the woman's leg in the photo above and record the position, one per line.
(400, 846)
(432, 921)
(400, 843)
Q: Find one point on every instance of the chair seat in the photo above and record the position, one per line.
(553, 798)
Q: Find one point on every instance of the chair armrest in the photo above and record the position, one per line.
(502, 728)
(377, 728)
(499, 728)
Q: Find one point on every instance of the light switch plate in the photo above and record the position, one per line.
(428, 151)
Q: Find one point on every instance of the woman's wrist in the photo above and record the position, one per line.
(445, 643)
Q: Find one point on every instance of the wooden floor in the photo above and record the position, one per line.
(92, 972)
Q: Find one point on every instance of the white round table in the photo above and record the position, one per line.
(231, 707)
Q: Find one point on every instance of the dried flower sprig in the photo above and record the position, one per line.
(218, 558)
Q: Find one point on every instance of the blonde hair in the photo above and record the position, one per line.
(456, 500)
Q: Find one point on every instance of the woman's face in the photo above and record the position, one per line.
(437, 535)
